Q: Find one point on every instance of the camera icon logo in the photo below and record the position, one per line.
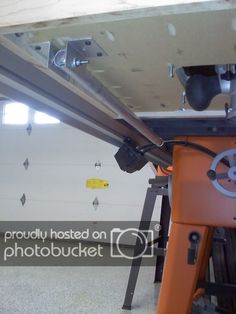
(140, 238)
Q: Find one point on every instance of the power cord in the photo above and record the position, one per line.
(146, 148)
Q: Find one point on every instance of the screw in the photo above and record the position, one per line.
(170, 70)
(78, 62)
(183, 98)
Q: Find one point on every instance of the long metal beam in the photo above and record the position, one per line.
(66, 59)
(22, 81)
(91, 86)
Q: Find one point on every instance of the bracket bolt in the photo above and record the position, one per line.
(77, 62)
(170, 70)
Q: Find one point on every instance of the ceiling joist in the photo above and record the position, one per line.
(27, 15)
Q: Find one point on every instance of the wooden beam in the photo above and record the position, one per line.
(16, 16)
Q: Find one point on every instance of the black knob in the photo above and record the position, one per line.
(194, 237)
(211, 174)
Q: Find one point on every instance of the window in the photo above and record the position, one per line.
(43, 118)
(15, 113)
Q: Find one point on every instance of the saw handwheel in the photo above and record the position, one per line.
(224, 180)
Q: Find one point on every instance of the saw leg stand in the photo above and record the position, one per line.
(158, 187)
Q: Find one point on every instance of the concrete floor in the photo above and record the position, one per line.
(74, 290)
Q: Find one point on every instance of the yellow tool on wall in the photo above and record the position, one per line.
(97, 184)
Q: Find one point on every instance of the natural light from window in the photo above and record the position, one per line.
(18, 113)
(43, 118)
(15, 113)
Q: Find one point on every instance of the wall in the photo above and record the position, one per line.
(61, 159)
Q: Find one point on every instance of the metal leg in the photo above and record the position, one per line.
(164, 222)
(144, 225)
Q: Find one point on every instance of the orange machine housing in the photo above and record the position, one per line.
(197, 206)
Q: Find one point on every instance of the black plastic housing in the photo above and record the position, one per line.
(129, 159)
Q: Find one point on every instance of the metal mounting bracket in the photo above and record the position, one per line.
(47, 50)
(79, 52)
(86, 48)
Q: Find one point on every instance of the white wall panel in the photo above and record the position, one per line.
(61, 159)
